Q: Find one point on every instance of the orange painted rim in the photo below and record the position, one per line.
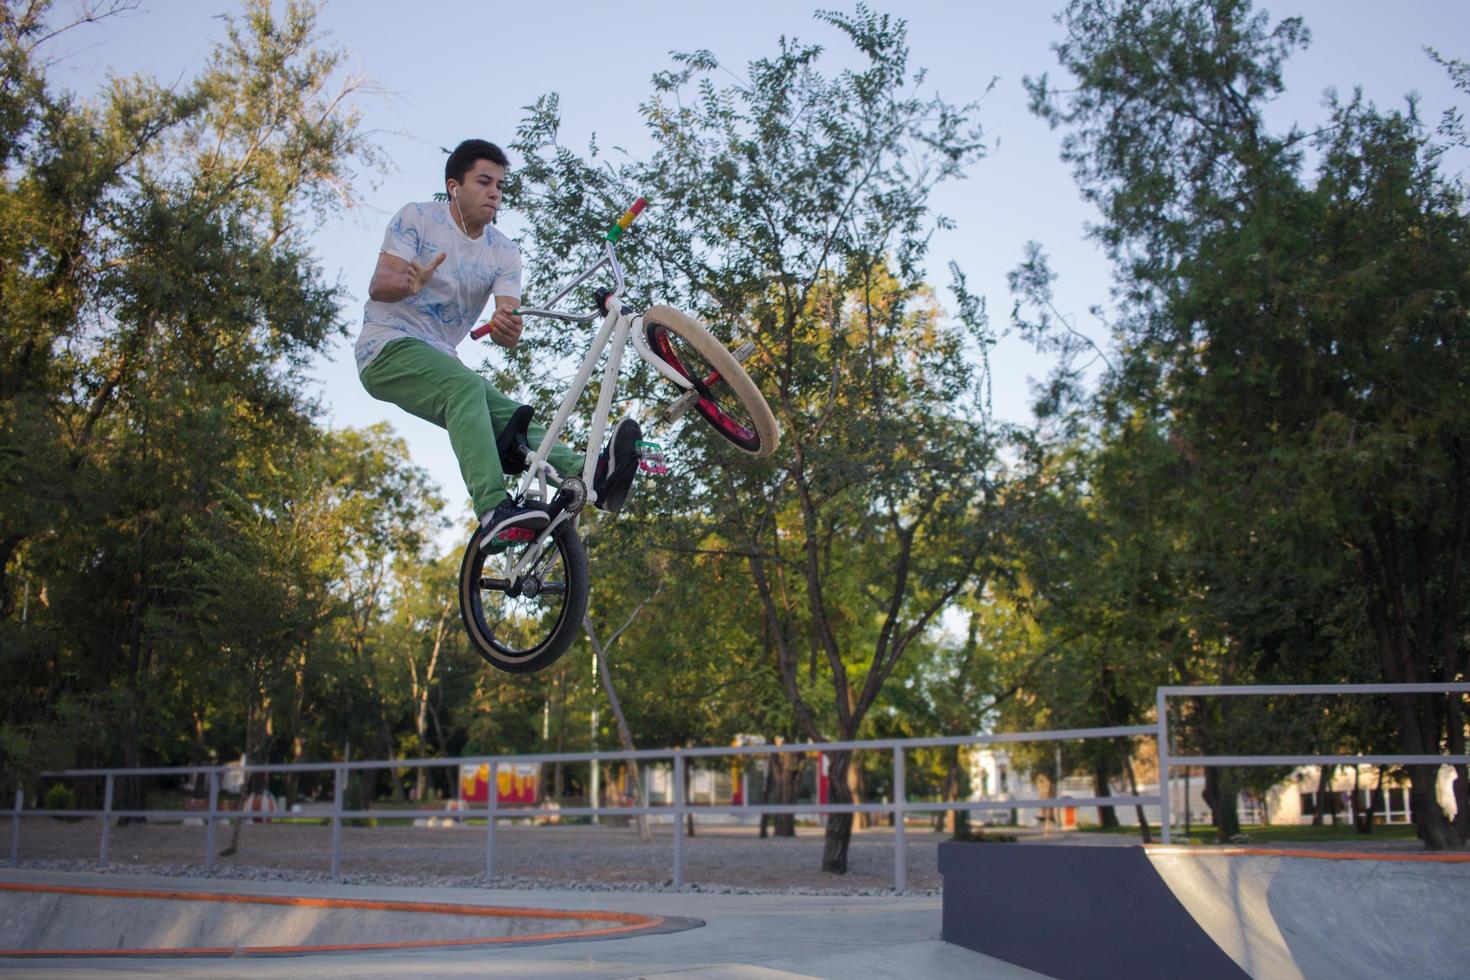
(1315, 855)
(627, 922)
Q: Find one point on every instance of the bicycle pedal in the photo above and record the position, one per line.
(650, 457)
(514, 534)
(743, 351)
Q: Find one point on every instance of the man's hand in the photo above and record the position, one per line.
(419, 275)
(505, 327)
(395, 280)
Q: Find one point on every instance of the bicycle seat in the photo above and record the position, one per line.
(513, 443)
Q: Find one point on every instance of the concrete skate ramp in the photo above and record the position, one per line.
(1204, 913)
(57, 920)
(1311, 914)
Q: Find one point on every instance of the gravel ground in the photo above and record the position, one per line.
(718, 859)
(721, 859)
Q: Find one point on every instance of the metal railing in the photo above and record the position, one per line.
(679, 809)
(1168, 761)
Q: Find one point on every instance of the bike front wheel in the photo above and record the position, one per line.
(525, 625)
(724, 394)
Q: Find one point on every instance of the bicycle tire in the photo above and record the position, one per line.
(753, 429)
(516, 633)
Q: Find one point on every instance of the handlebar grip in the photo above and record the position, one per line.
(621, 225)
(633, 212)
(480, 331)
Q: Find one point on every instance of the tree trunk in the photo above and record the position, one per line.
(1324, 789)
(1107, 817)
(200, 786)
(1362, 822)
(1143, 827)
(1430, 821)
(298, 746)
(1402, 657)
(625, 736)
(1220, 794)
(128, 792)
(421, 697)
(783, 776)
(1375, 802)
(956, 788)
(255, 714)
(768, 788)
(390, 751)
(857, 784)
(839, 825)
(1460, 787)
(1188, 825)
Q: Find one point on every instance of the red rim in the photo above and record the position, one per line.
(707, 407)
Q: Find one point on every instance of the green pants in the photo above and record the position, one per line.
(428, 383)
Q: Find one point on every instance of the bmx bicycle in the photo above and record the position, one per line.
(522, 603)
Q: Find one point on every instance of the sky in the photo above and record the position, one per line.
(445, 70)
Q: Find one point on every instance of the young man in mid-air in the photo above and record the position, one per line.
(439, 265)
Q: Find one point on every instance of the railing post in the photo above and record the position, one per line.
(209, 818)
(20, 803)
(339, 787)
(1165, 818)
(900, 844)
(492, 804)
(645, 819)
(596, 791)
(106, 817)
(678, 821)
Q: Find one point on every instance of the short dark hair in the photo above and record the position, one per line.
(465, 155)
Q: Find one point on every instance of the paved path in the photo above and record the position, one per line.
(745, 937)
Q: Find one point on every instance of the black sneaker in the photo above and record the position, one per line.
(510, 522)
(616, 466)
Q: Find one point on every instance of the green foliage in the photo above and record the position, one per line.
(1294, 355)
(160, 309)
(792, 208)
(59, 797)
(1267, 482)
(193, 567)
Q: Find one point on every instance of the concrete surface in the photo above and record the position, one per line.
(1288, 917)
(1201, 913)
(746, 937)
(1274, 915)
(45, 918)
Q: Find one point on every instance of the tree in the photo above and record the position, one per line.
(1301, 341)
(160, 310)
(793, 209)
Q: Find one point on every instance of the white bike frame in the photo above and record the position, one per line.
(618, 327)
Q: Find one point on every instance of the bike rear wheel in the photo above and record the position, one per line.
(524, 626)
(726, 397)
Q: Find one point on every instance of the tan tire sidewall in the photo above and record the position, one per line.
(694, 333)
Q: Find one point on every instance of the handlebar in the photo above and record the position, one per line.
(614, 232)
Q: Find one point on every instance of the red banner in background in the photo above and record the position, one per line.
(520, 783)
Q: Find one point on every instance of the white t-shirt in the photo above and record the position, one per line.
(445, 310)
